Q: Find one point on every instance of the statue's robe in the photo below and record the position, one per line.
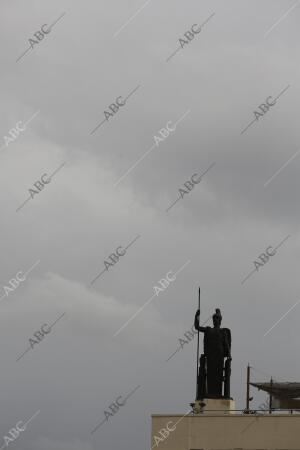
(217, 343)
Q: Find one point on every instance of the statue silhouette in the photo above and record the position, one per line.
(212, 372)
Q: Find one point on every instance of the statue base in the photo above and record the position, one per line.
(214, 406)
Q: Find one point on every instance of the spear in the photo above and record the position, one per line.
(197, 387)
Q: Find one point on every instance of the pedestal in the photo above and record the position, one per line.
(214, 406)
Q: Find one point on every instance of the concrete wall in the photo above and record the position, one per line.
(220, 432)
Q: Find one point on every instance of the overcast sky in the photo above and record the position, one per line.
(113, 187)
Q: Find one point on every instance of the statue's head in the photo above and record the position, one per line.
(217, 318)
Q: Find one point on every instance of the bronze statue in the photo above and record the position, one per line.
(212, 372)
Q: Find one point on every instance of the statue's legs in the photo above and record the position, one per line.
(201, 388)
(214, 376)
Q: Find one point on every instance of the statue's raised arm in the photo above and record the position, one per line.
(196, 322)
